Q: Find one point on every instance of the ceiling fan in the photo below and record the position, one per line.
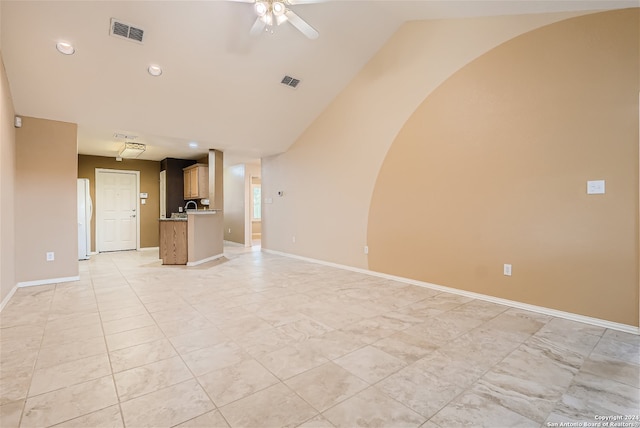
(276, 12)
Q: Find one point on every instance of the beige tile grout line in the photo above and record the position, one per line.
(33, 369)
(503, 359)
(104, 336)
(59, 389)
(487, 370)
(217, 408)
(283, 381)
(177, 353)
(373, 385)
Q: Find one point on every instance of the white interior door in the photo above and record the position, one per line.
(117, 210)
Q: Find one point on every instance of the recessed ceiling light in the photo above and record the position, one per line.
(65, 48)
(154, 70)
(193, 145)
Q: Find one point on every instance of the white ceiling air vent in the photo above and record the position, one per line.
(121, 136)
(290, 81)
(127, 31)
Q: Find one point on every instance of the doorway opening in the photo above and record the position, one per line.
(256, 211)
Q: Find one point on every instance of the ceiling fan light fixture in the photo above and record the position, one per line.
(281, 18)
(278, 8)
(131, 150)
(261, 8)
(272, 13)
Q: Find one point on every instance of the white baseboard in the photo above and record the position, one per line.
(512, 303)
(208, 259)
(8, 297)
(149, 249)
(48, 281)
(233, 244)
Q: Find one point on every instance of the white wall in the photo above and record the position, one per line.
(234, 204)
(7, 183)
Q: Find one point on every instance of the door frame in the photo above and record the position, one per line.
(97, 204)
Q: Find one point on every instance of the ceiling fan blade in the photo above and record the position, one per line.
(301, 25)
(258, 27)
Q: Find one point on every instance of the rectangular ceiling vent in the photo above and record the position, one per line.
(121, 136)
(290, 81)
(127, 31)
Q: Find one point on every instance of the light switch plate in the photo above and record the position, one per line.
(507, 269)
(595, 187)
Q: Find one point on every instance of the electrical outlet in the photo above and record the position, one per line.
(51, 256)
(229, 230)
(366, 249)
(507, 270)
(293, 239)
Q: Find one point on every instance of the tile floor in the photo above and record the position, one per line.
(259, 340)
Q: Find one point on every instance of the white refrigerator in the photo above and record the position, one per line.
(85, 210)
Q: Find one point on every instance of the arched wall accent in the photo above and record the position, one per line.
(492, 169)
(328, 174)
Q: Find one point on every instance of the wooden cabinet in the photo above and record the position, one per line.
(196, 182)
(173, 242)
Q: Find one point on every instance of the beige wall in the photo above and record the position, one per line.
(216, 179)
(329, 175)
(7, 182)
(46, 200)
(256, 228)
(149, 183)
(234, 204)
(204, 237)
(492, 169)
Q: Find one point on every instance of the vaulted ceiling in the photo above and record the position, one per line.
(220, 87)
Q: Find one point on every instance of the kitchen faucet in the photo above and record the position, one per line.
(186, 206)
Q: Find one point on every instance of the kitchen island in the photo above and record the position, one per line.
(192, 239)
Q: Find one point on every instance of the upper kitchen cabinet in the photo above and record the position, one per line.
(196, 181)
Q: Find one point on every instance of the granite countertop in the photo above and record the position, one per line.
(183, 216)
